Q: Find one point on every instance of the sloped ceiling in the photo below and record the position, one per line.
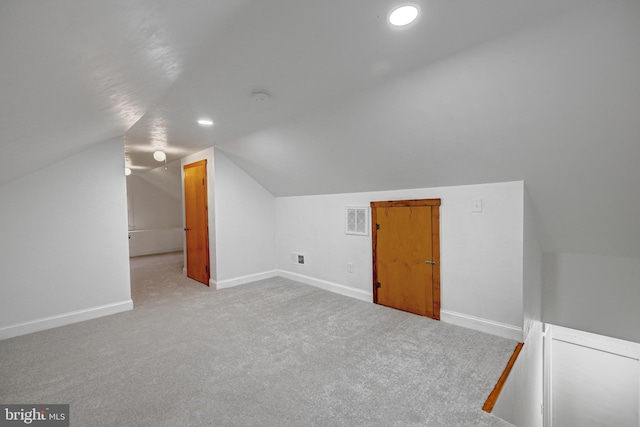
(166, 178)
(474, 91)
(75, 73)
(308, 54)
(556, 105)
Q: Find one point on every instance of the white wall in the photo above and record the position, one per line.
(481, 253)
(207, 155)
(155, 241)
(245, 225)
(593, 293)
(155, 218)
(149, 207)
(554, 105)
(521, 399)
(63, 236)
(591, 380)
(532, 267)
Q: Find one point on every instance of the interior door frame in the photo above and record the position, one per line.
(435, 243)
(204, 164)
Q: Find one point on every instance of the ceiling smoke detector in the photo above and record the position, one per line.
(260, 95)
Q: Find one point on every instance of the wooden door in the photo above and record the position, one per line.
(197, 221)
(406, 255)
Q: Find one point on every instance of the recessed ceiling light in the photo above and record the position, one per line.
(403, 15)
(205, 122)
(160, 156)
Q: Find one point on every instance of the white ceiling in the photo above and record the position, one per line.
(75, 73)
(475, 91)
(309, 54)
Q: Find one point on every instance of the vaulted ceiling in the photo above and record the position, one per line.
(543, 91)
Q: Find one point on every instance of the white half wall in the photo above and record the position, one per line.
(521, 399)
(591, 293)
(245, 225)
(481, 252)
(155, 241)
(590, 379)
(532, 267)
(63, 236)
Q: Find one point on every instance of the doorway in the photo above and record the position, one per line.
(406, 255)
(196, 221)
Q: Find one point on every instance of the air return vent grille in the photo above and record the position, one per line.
(357, 220)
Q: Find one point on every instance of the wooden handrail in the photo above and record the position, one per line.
(493, 397)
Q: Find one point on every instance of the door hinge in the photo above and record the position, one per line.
(378, 285)
(377, 226)
(202, 181)
(206, 268)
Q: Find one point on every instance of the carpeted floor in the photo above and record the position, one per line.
(271, 353)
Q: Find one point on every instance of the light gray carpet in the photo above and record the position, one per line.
(271, 353)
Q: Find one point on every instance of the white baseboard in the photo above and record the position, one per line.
(483, 325)
(329, 286)
(64, 319)
(243, 280)
(155, 252)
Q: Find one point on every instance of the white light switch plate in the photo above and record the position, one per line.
(476, 205)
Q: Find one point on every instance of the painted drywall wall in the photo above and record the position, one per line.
(521, 399)
(207, 155)
(155, 218)
(554, 105)
(593, 293)
(481, 252)
(166, 178)
(155, 241)
(245, 225)
(532, 267)
(590, 379)
(63, 242)
(149, 207)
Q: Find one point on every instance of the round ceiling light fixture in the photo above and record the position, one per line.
(160, 156)
(205, 122)
(403, 15)
(127, 171)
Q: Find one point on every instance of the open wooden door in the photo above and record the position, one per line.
(197, 221)
(406, 255)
